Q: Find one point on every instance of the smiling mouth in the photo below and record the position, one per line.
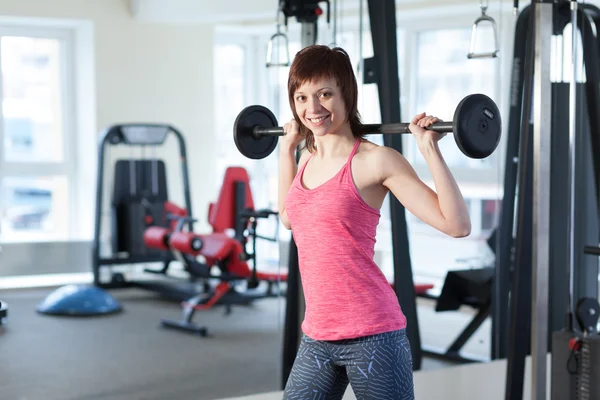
(317, 120)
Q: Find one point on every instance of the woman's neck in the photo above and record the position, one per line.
(338, 144)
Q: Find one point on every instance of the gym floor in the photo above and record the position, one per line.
(127, 355)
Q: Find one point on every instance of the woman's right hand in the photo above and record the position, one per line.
(292, 137)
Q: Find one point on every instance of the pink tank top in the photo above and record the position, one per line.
(347, 295)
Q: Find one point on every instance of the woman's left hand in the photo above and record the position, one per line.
(418, 126)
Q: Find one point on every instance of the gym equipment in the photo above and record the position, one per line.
(540, 254)
(133, 197)
(469, 287)
(483, 18)
(576, 356)
(79, 300)
(575, 366)
(228, 254)
(477, 127)
(278, 35)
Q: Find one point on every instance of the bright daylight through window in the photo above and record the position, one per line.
(33, 177)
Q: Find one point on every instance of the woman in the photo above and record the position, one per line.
(354, 329)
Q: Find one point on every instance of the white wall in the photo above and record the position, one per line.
(142, 72)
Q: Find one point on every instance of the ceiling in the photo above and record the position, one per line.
(246, 11)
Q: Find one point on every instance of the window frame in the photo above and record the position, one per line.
(51, 168)
(67, 168)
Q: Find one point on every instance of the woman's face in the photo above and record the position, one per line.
(320, 106)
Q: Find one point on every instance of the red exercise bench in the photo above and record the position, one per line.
(220, 250)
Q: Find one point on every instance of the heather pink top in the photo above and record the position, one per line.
(347, 295)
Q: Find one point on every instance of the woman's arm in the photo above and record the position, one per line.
(445, 210)
(287, 172)
(287, 166)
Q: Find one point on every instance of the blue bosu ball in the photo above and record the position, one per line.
(79, 300)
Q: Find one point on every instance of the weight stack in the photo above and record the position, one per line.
(575, 367)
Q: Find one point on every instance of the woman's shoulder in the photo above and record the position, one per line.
(372, 150)
(379, 158)
(366, 144)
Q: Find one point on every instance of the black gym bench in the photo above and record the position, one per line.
(469, 287)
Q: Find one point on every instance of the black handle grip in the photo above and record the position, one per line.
(592, 250)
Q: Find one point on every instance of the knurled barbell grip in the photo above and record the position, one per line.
(394, 128)
(403, 128)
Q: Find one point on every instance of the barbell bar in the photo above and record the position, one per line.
(476, 127)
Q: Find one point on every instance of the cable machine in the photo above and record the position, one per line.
(552, 169)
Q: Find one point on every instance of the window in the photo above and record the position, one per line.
(230, 96)
(34, 166)
(442, 76)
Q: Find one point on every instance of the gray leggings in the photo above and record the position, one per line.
(378, 367)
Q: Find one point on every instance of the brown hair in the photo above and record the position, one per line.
(322, 62)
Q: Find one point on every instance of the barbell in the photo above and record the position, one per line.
(476, 127)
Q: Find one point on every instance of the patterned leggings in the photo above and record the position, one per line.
(378, 367)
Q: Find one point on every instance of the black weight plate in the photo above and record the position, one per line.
(477, 126)
(245, 141)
